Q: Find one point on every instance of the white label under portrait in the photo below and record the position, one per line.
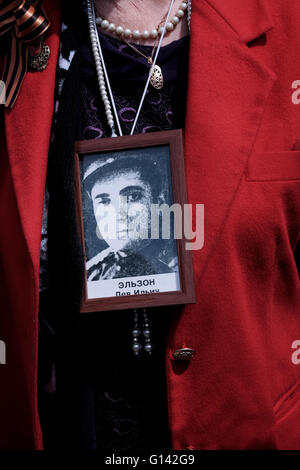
(167, 282)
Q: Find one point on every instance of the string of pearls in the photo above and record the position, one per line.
(136, 34)
(189, 13)
(101, 71)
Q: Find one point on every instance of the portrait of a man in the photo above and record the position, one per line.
(119, 190)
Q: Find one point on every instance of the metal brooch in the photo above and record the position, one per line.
(39, 61)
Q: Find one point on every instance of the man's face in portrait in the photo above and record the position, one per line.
(122, 208)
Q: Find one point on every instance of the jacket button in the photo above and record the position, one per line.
(183, 354)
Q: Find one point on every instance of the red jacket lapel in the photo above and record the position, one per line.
(28, 127)
(227, 93)
(249, 18)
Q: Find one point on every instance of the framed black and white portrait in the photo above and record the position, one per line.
(130, 192)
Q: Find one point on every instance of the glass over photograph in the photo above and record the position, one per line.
(128, 224)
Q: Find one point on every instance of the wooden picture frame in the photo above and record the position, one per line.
(92, 160)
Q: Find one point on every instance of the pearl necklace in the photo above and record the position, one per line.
(136, 34)
(102, 75)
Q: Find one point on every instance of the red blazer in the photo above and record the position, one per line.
(241, 390)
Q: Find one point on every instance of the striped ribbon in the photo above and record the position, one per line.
(24, 21)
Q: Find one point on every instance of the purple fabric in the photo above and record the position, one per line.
(162, 110)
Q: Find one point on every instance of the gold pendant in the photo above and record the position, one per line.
(39, 61)
(157, 79)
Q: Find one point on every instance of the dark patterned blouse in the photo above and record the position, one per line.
(127, 394)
